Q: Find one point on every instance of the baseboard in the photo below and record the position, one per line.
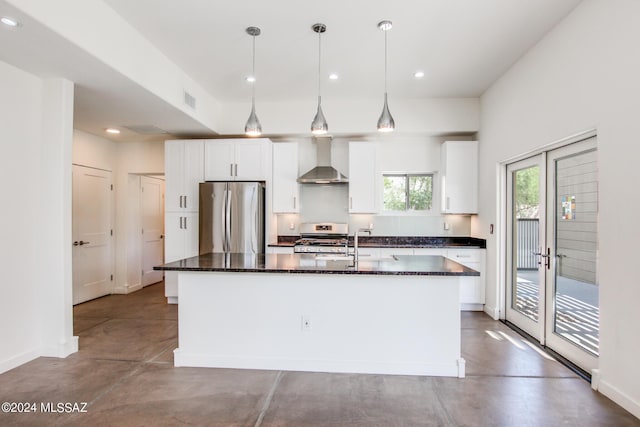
(619, 397)
(127, 289)
(471, 307)
(63, 349)
(20, 359)
(494, 312)
(454, 369)
(172, 300)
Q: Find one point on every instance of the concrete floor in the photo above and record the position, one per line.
(124, 372)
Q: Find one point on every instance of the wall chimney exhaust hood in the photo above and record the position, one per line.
(324, 173)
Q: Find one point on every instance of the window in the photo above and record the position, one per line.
(408, 192)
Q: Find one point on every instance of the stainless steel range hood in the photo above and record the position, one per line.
(323, 173)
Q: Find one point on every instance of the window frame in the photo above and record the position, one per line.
(407, 177)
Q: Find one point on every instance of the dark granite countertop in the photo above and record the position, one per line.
(415, 265)
(401, 242)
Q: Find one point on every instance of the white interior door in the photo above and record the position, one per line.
(92, 253)
(151, 204)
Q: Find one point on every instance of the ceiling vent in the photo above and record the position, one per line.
(146, 129)
(190, 100)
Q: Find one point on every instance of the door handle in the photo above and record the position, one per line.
(547, 258)
(76, 243)
(83, 243)
(162, 236)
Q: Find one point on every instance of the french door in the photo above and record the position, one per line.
(552, 250)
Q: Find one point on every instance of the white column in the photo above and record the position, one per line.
(54, 257)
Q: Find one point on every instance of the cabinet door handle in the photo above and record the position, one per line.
(294, 202)
(230, 169)
(448, 202)
(185, 201)
(350, 202)
(180, 201)
(236, 174)
(181, 227)
(185, 222)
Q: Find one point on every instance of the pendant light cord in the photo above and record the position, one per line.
(385, 62)
(319, 60)
(253, 71)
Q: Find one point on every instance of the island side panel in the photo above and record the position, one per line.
(407, 325)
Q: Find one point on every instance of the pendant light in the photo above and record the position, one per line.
(319, 124)
(253, 126)
(385, 122)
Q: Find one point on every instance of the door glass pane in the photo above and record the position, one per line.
(576, 308)
(526, 211)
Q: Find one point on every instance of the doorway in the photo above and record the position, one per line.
(552, 250)
(152, 221)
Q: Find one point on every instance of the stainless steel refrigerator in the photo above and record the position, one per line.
(232, 217)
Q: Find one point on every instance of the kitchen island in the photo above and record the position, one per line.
(304, 312)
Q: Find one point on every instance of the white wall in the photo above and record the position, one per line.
(35, 122)
(584, 74)
(20, 124)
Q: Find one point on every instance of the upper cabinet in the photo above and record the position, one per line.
(184, 169)
(236, 159)
(286, 190)
(459, 177)
(362, 177)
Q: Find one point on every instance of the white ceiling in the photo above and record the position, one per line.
(461, 45)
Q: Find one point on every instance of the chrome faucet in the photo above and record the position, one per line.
(355, 242)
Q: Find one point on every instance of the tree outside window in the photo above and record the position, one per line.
(408, 192)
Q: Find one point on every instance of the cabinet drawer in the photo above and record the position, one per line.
(464, 255)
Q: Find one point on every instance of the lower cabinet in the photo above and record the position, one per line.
(471, 287)
(280, 249)
(181, 241)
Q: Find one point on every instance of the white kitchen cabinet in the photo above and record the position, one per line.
(236, 159)
(430, 251)
(388, 252)
(459, 177)
(184, 170)
(362, 177)
(181, 241)
(181, 235)
(285, 187)
(285, 250)
(471, 287)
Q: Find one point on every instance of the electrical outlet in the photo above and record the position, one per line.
(292, 226)
(446, 226)
(306, 323)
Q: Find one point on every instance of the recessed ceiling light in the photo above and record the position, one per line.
(333, 76)
(112, 130)
(250, 79)
(418, 74)
(9, 22)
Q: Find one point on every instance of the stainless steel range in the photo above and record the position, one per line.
(326, 237)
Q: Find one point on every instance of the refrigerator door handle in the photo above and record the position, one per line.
(254, 228)
(228, 220)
